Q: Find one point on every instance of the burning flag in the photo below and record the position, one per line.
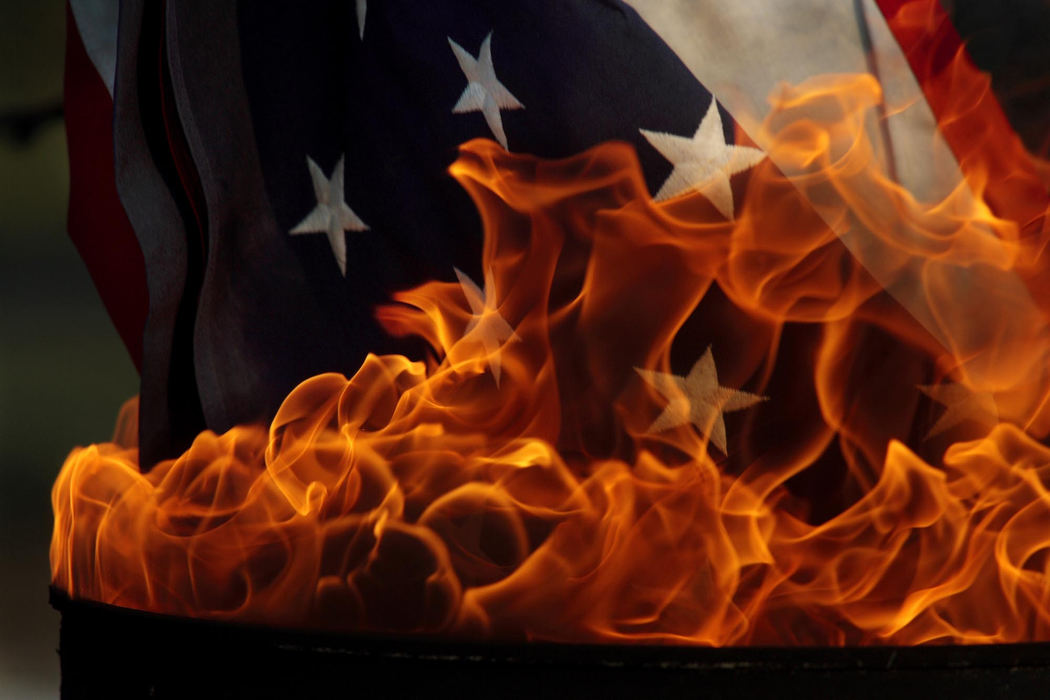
(766, 365)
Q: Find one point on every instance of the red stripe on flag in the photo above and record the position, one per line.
(990, 153)
(97, 222)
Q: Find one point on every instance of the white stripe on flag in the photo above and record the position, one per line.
(97, 23)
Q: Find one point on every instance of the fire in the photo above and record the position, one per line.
(556, 471)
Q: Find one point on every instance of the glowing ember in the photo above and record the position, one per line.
(587, 455)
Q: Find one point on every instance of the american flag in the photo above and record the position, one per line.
(250, 180)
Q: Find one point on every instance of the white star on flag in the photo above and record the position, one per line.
(698, 399)
(961, 405)
(484, 92)
(704, 162)
(486, 326)
(362, 10)
(331, 216)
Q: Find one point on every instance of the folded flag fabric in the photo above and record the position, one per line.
(251, 180)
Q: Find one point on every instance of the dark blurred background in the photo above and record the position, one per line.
(64, 372)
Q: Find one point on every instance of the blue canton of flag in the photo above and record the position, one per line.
(313, 183)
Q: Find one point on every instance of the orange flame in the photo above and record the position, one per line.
(892, 489)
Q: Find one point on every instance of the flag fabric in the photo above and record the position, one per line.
(281, 169)
(97, 223)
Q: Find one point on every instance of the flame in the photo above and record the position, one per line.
(521, 484)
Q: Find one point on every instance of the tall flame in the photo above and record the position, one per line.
(549, 474)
